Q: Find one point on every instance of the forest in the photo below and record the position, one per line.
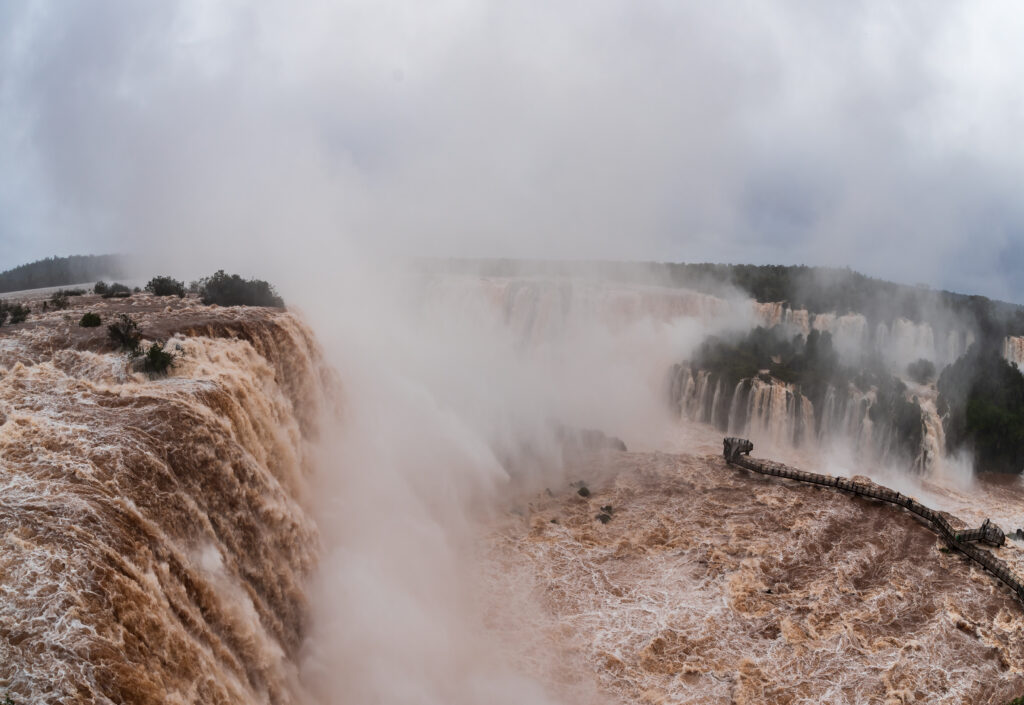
(62, 271)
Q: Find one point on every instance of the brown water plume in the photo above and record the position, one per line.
(155, 534)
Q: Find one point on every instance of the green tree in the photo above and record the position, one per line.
(231, 290)
(165, 286)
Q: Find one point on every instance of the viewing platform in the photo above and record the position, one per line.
(737, 452)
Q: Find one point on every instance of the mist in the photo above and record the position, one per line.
(456, 388)
(876, 137)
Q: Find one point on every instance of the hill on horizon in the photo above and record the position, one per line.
(63, 271)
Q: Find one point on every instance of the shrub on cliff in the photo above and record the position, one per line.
(18, 313)
(117, 291)
(90, 320)
(231, 290)
(166, 286)
(157, 360)
(58, 302)
(124, 332)
(99, 288)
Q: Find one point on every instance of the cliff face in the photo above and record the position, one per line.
(155, 535)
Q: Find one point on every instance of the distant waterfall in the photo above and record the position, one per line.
(1013, 350)
(766, 408)
(899, 341)
(770, 408)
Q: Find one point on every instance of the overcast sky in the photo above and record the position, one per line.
(883, 136)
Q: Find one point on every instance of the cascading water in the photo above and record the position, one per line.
(779, 415)
(539, 310)
(1013, 350)
(899, 341)
(157, 540)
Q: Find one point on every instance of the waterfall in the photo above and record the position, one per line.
(737, 421)
(779, 414)
(1013, 350)
(899, 341)
(158, 539)
(698, 396)
(933, 443)
(774, 412)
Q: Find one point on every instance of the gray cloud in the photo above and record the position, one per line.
(865, 134)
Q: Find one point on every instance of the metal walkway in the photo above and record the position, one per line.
(737, 452)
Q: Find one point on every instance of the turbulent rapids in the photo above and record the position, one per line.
(166, 541)
(155, 540)
(710, 587)
(737, 450)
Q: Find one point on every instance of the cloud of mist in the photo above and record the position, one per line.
(455, 387)
(860, 134)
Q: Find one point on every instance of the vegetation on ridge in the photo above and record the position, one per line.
(90, 320)
(113, 291)
(981, 396)
(166, 286)
(15, 313)
(61, 271)
(231, 290)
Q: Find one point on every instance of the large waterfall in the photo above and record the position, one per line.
(157, 538)
(899, 341)
(780, 416)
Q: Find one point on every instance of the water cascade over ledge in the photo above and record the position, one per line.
(156, 536)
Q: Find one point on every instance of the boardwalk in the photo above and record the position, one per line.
(737, 452)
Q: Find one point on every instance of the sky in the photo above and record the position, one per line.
(876, 135)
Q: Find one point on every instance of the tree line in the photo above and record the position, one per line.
(62, 271)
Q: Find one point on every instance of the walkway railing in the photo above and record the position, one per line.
(737, 452)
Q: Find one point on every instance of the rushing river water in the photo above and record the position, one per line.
(265, 525)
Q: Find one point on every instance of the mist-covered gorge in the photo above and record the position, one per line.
(897, 391)
(873, 387)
